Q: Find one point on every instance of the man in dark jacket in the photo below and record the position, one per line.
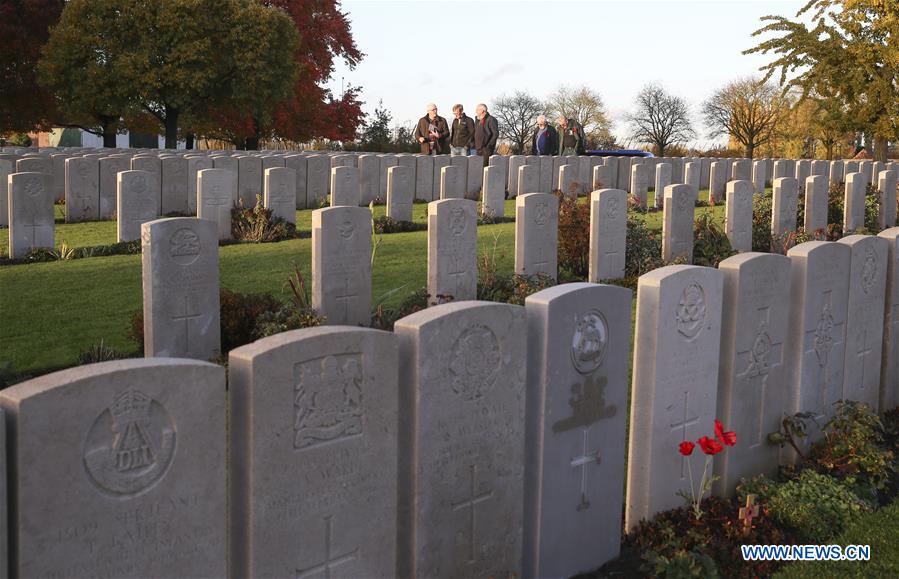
(432, 132)
(571, 137)
(546, 138)
(486, 132)
(462, 133)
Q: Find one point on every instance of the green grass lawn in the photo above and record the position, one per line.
(52, 312)
(879, 530)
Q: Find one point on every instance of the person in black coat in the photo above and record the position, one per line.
(546, 138)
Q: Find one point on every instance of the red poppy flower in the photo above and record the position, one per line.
(710, 445)
(729, 438)
(686, 448)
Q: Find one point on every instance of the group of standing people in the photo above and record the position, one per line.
(436, 137)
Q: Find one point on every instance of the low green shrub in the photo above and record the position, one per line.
(816, 505)
(710, 242)
(100, 352)
(259, 224)
(384, 224)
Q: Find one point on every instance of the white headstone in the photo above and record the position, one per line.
(886, 184)
(864, 320)
(677, 222)
(387, 161)
(174, 185)
(494, 191)
(279, 194)
(313, 428)
(194, 166)
(474, 176)
(578, 341)
(662, 180)
(180, 263)
(30, 212)
(567, 181)
(759, 174)
(318, 171)
(140, 447)
(452, 250)
(216, 195)
(341, 265)
(424, 178)
(528, 179)
(675, 383)
(889, 368)
(718, 180)
(345, 187)
(452, 185)
(515, 161)
(546, 174)
(816, 203)
(298, 164)
(135, 204)
(640, 182)
(7, 168)
(82, 189)
(536, 234)
(249, 180)
(462, 439)
(399, 193)
(752, 391)
(803, 171)
(110, 167)
(440, 161)
(854, 203)
(816, 346)
(692, 172)
(602, 176)
(836, 172)
(783, 208)
(608, 234)
(738, 215)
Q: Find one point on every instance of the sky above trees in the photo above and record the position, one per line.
(471, 52)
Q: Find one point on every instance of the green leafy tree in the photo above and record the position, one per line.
(849, 55)
(376, 134)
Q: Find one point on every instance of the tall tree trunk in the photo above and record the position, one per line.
(189, 139)
(171, 127)
(252, 143)
(109, 126)
(880, 149)
(750, 149)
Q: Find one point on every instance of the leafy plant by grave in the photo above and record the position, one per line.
(66, 252)
(643, 249)
(494, 286)
(296, 314)
(817, 506)
(710, 242)
(100, 352)
(574, 236)
(384, 224)
(259, 224)
(762, 205)
(383, 317)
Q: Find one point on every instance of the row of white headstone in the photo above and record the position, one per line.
(479, 439)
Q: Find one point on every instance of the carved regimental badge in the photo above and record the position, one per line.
(824, 336)
(760, 352)
(130, 446)
(457, 221)
(541, 213)
(474, 362)
(139, 184)
(869, 269)
(683, 199)
(328, 403)
(184, 246)
(691, 308)
(346, 229)
(33, 186)
(588, 345)
(612, 207)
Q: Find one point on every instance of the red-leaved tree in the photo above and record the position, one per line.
(24, 28)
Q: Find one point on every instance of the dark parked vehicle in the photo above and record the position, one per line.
(620, 153)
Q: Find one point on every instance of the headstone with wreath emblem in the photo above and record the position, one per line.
(140, 447)
(675, 383)
(135, 202)
(751, 378)
(864, 318)
(216, 195)
(816, 346)
(578, 342)
(462, 440)
(180, 263)
(174, 185)
(279, 193)
(314, 454)
(82, 189)
(249, 180)
(493, 191)
(785, 199)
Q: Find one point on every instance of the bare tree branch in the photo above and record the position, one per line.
(660, 120)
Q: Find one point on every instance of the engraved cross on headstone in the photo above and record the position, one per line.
(586, 458)
(820, 356)
(862, 353)
(756, 371)
(683, 424)
(345, 296)
(469, 503)
(541, 262)
(457, 270)
(330, 561)
(187, 317)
